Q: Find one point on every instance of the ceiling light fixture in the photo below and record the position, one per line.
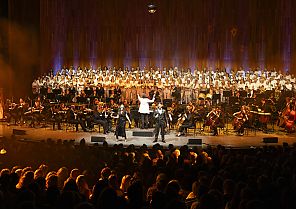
(152, 8)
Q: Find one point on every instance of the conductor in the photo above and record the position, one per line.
(144, 109)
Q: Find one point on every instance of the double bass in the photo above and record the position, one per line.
(291, 117)
(284, 114)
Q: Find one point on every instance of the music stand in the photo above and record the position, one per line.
(43, 91)
(108, 99)
(64, 99)
(260, 96)
(243, 93)
(227, 93)
(216, 98)
(167, 102)
(250, 101)
(57, 91)
(233, 100)
(51, 96)
(81, 100)
(88, 92)
(268, 93)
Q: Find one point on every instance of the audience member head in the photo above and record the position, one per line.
(70, 185)
(228, 186)
(107, 199)
(4, 171)
(26, 179)
(68, 200)
(161, 182)
(52, 181)
(125, 182)
(44, 169)
(62, 174)
(74, 173)
(135, 193)
(38, 173)
(172, 189)
(113, 181)
(105, 173)
(83, 186)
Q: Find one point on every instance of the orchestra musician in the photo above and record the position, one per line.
(121, 122)
(59, 114)
(74, 118)
(284, 113)
(264, 114)
(213, 120)
(240, 120)
(21, 108)
(98, 117)
(89, 83)
(185, 121)
(109, 116)
(161, 121)
(10, 112)
(34, 113)
(134, 113)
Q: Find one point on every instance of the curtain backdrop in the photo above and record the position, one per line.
(184, 33)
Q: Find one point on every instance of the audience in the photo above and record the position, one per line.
(36, 175)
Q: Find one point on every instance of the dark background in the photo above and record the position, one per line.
(37, 35)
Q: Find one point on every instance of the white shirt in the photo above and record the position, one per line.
(144, 104)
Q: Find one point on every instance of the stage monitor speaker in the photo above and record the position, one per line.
(194, 142)
(143, 133)
(270, 140)
(18, 132)
(99, 139)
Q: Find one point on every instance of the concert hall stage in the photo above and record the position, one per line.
(227, 139)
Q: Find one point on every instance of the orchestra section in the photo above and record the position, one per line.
(206, 99)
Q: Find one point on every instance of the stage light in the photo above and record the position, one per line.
(3, 152)
(152, 8)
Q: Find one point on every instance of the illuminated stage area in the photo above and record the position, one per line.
(230, 139)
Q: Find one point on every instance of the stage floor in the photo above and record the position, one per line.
(228, 139)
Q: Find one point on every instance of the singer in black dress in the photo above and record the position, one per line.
(121, 122)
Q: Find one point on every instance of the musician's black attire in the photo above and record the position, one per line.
(121, 123)
(243, 121)
(10, 113)
(160, 123)
(58, 118)
(76, 120)
(135, 115)
(99, 118)
(266, 109)
(101, 93)
(188, 122)
(214, 120)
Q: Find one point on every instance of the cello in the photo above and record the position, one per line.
(212, 117)
(240, 118)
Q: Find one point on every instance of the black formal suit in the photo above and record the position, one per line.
(160, 122)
